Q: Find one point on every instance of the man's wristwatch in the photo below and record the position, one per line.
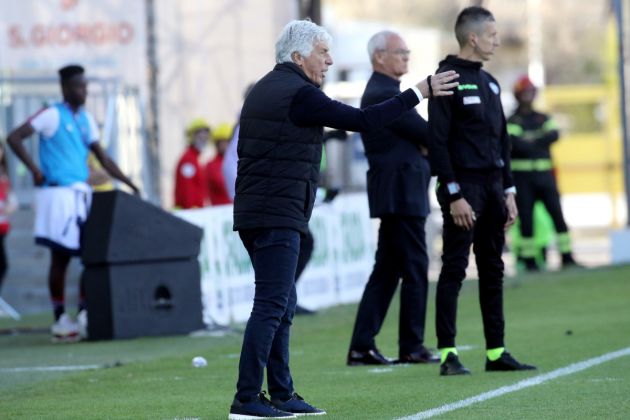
(454, 191)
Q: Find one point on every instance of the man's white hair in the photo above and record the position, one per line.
(299, 36)
(378, 42)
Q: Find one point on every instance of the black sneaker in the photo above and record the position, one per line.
(452, 366)
(258, 408)
(297, 406)
(506, 363)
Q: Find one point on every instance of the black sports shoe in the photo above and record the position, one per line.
(258, 408)
(506, 363)
(297, 406)
(452, 366)
(369, 357)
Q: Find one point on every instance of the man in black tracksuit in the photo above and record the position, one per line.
(532, 133)
(469, 151)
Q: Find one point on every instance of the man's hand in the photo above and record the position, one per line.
(512, 211)
(462, 214)
(441, 84)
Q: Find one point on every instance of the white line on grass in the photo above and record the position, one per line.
(466, 348)
(50, 368)
(525, 383)
(380, 370)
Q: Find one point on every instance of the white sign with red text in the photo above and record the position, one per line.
(108, 38)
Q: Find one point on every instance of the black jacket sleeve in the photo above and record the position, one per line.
(521, 146)
(311, 107)
(505, 154)
(440, 114)
(543, 139)
(411, 126)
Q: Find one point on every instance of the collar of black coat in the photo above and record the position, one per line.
(455, 60)
(292, 67)
(383, 78)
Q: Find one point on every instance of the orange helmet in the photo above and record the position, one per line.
(523, 83)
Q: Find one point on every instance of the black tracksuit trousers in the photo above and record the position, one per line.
(487, 238)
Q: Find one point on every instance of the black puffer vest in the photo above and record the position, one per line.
(278, 167)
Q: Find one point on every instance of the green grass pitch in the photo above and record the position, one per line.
(552, 320)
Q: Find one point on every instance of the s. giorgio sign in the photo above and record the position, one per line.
(64, 34)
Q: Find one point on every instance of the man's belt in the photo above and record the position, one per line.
(523, 165)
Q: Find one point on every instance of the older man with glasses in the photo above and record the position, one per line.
(397, 183)
(280, 147)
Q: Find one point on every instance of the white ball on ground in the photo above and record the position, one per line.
(199, 362)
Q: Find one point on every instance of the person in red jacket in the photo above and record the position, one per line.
(217, 192)
(190, 189)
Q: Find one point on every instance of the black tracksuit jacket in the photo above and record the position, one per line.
(467, 130)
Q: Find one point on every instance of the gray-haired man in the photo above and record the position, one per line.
(397, 183)
(280, 146)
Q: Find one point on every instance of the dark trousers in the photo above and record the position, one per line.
(487, 238)
(401, 253)
(307, 243)
(534, 186)
(274, 254)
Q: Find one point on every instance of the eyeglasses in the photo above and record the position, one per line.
(399, 51)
